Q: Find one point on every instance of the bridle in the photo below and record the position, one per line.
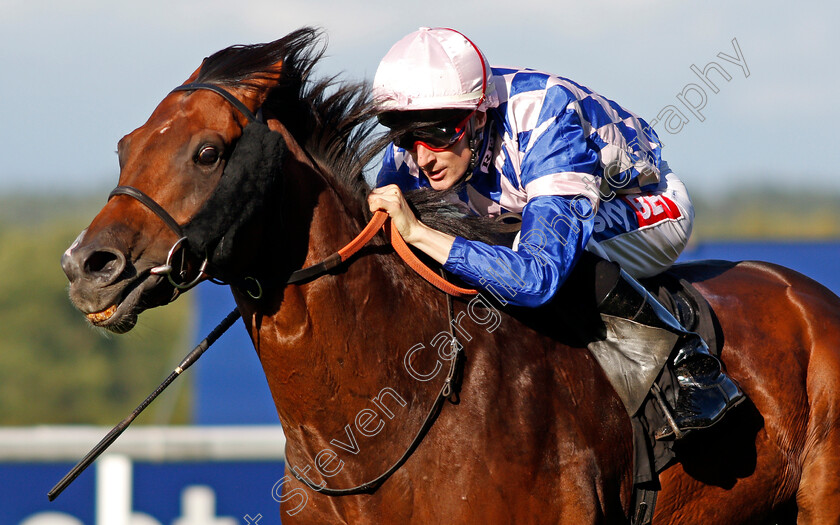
(251, 285)
(451, 385)
(166, 269)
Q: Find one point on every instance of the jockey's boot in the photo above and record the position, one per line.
(705, 391)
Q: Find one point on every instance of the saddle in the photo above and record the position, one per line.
(580, 325)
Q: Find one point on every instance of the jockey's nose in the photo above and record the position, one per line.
(425, 156)
(93, 262)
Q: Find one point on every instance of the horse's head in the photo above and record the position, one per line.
(190, 179)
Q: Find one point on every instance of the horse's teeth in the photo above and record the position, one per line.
(104, 315)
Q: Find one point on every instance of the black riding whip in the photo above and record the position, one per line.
(115, 432)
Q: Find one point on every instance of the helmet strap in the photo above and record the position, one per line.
(475, 138)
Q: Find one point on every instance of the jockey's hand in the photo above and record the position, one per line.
(433, 243)
(391, 200)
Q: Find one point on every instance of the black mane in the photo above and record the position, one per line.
(335, 121)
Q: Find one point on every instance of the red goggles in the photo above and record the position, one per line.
(436, 137)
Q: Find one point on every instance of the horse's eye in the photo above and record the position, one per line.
(207, 155)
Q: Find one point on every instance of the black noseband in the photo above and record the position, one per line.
(151, 204)
(246, 185)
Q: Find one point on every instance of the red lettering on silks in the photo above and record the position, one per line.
(653, 209)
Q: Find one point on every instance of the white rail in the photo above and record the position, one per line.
(145, 443)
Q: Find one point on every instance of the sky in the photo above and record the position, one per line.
(77, 76)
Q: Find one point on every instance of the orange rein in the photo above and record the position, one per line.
(380, 220)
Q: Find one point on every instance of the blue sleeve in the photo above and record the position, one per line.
(562, 146)
(552, 239)
(391, 173)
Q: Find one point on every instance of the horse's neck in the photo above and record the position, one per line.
(330, 346)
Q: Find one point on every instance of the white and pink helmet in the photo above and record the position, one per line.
(436, 68)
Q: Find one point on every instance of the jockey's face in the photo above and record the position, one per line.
(445, 168)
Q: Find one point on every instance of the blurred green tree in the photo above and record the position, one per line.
(54, 367)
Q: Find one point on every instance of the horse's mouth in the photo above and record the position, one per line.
(103, 316)
(137, 296)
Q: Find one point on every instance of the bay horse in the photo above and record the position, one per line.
(355, 358)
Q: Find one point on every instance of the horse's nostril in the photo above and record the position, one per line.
(104, 263)
(93, 262)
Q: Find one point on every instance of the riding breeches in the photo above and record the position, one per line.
(644, 232)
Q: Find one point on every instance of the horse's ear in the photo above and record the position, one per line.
(260, 86)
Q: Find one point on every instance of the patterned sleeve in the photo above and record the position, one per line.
(552, 239)
(557, 167)
(559, 160)
(395, 170)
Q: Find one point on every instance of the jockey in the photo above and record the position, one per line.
(584, 173)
